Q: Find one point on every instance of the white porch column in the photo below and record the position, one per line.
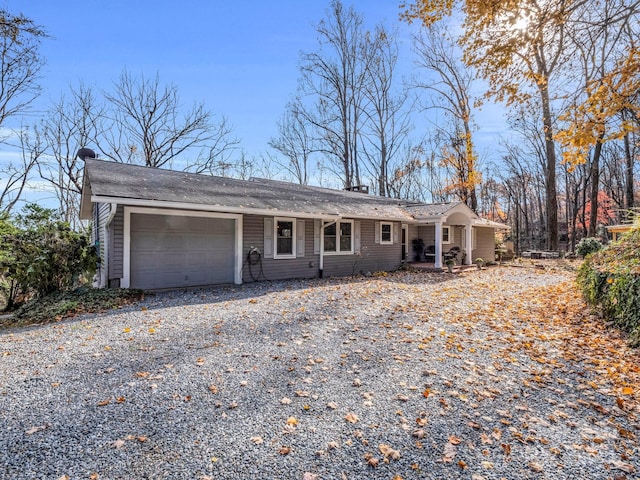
(438, 260)
(469, 244)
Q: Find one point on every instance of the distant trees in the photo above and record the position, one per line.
(20, 69)
(349, 99)
(449, 84)
(151, 127)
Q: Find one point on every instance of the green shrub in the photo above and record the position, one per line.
(610, 282)
(587, 246)
(59, 305)
(42, 255)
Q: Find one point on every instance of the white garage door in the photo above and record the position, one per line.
(169, 251)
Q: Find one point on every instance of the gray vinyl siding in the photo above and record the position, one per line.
(102, 214)
(276, 269)
(116, 245)
(485, 245)
(374, 257)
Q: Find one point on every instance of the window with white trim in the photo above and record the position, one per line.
(338, 237)
(447, 234)
(285, 235)
(386, 233)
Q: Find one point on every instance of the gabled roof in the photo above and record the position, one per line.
(111, 182)
(114, 182)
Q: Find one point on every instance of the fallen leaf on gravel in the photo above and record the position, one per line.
(357, 382)
(302, 393)
(284, 450)
(33, 430)
(486, 464)
(351, 417)
(292, 421)
(93, 476)
(419, 433)
(213, 389)
(625, 467)
(64, 477)
(309, 476)
(536, 467)
(371, 460)
(475, 476)
(233, 405)
(120, 400)
(627, 390)
(449, 452)
(332, 405)
(389, 452)
(104, 402)
(333, 445)
(402, 398)
(397, 477)
(257, 440)
(507, 450)
(118, 443)
(285, 401)
(454, 440)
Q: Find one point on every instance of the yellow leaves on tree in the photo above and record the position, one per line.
(607, 97)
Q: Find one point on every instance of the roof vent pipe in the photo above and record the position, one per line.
(85, 153)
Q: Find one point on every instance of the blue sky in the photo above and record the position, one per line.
(239, 58)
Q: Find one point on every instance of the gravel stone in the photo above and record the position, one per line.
(182, 384)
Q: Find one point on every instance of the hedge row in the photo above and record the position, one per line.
(610, 282)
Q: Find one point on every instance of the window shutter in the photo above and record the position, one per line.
(300, 238)
(356, 237)
(396, 233)
(268, 238)
(317, 227)
(377, 233)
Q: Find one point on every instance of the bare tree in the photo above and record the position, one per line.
(294, 142)
(20, 63)
(73, 122)
(149, 126)
(334, 79)
(450, 91)
(20, 67)
(387, 123)
(15, 174)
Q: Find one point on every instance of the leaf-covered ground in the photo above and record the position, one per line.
(482, 375)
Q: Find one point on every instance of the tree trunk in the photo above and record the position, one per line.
(595, 188)
(629, 193)
(550, 172)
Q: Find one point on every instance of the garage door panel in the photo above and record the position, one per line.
(173, 251)
(171, 241)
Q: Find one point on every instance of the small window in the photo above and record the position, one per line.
(330, 238)
(447, 234)
(338, 237)
(285, 238)
(386, 232)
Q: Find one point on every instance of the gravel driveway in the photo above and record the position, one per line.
(410, 375)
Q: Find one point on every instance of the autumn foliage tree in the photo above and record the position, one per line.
(518, 48)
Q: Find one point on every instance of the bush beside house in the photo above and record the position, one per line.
(610, 281)
(41, 254)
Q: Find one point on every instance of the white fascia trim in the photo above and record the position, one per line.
(126, 254)
(196, 207)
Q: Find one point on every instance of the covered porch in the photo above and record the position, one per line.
(450, 231)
